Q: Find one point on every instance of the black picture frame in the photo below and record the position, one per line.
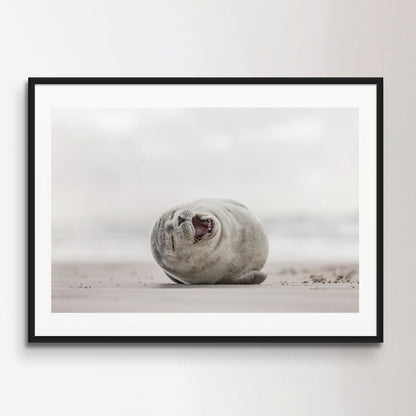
(33, 338)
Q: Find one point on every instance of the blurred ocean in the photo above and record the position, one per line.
(114, 170)
(317, 239)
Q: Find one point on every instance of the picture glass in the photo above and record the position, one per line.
(213, 210)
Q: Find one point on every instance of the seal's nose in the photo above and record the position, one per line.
(181, 220)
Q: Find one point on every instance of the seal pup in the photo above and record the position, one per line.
(210, 241)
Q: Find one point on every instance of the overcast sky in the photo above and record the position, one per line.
(121, 166)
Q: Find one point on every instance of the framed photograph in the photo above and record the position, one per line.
(205, 209)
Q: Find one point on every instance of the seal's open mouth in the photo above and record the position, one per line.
(202, 227)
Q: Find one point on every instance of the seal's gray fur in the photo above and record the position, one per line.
(233, 251)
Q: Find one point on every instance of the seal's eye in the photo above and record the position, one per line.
(201, 226)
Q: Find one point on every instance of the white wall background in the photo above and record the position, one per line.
(215, 38)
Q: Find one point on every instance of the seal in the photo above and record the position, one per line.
(210, 241)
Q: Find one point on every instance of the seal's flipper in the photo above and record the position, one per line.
(174, 279)
(252, 277)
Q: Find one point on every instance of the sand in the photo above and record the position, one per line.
(143, 287)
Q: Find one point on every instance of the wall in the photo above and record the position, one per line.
(215, 38)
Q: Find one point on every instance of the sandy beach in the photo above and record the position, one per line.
(143, 287)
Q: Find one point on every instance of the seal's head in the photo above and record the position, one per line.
(181, 233)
